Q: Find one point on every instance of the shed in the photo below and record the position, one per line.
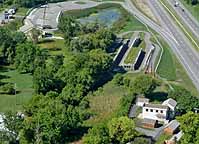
(172, 127)
(171, 103)
(141, 101)
(149, 123)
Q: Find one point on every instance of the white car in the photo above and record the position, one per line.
(44, 6)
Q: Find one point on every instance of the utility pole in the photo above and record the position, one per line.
(44, 15)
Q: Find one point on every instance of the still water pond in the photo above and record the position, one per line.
(107, 17)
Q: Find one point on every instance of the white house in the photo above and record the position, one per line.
(161, 112)
(141, 101)
(156, 112)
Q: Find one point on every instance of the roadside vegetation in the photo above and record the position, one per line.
(66, 90)
(124, 24)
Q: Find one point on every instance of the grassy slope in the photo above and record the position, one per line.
(171, 69)
(24, 88)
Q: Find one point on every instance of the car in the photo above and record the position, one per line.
(47, 27)
(44, 6)
(176, 4)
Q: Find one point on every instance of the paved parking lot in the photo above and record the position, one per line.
(53, 11)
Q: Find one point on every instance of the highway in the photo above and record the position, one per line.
(186, 17)
(176, 39)
(187, 55)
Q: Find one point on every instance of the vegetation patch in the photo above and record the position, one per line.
(125, 23)
(24, 90)
(167, 67)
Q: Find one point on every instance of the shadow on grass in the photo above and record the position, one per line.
(76, 134)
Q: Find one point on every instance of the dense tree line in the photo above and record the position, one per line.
(8, 42)
(189, 124)
(61, 85)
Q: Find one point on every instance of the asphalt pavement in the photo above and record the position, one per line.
(187, 55)
(186, 17)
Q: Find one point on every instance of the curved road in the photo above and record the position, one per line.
(181, 46)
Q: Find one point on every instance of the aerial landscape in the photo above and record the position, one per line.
(99, 71)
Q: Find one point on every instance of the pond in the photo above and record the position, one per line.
(107, 17)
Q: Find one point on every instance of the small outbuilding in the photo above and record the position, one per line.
(141, 101)
(149, 123)
(172, 127)
(171, 103)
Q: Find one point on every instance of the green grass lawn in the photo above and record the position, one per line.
(23, 86)
(171, 69)
(135, 50)
(167, 68)
(132, 24)
(55, 47)
(132, 55)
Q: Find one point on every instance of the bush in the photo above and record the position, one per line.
(8, 89)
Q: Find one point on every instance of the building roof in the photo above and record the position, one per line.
(142, 99)
(159, 106)
(170, 102)
(149, 121)
(174, 124)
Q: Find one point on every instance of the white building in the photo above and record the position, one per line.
(156, 112)
(142, 101)
(161, 112)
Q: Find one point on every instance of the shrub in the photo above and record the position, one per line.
(8, 89)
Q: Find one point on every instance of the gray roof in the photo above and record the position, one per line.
(174, 124)
(141, 99)
(170, 101)
(156, 106)
(149, 121)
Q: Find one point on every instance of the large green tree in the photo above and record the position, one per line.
(185, 100)
(143, 84)
(48, 120)
(26, 54)
(97, 135)
(122, 130)
(189, 124)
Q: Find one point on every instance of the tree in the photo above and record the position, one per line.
(8, 89)
(48, 120)
(185, 101)
(144, 84)
(34, 34)
(189, 124)
(69, 26)
(122, 130)
(25, 57)
(97, 135)
(13, 124)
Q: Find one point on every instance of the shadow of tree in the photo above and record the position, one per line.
(158, 96)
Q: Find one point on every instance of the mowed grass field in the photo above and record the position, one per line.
(24, 87)
(172, 70)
